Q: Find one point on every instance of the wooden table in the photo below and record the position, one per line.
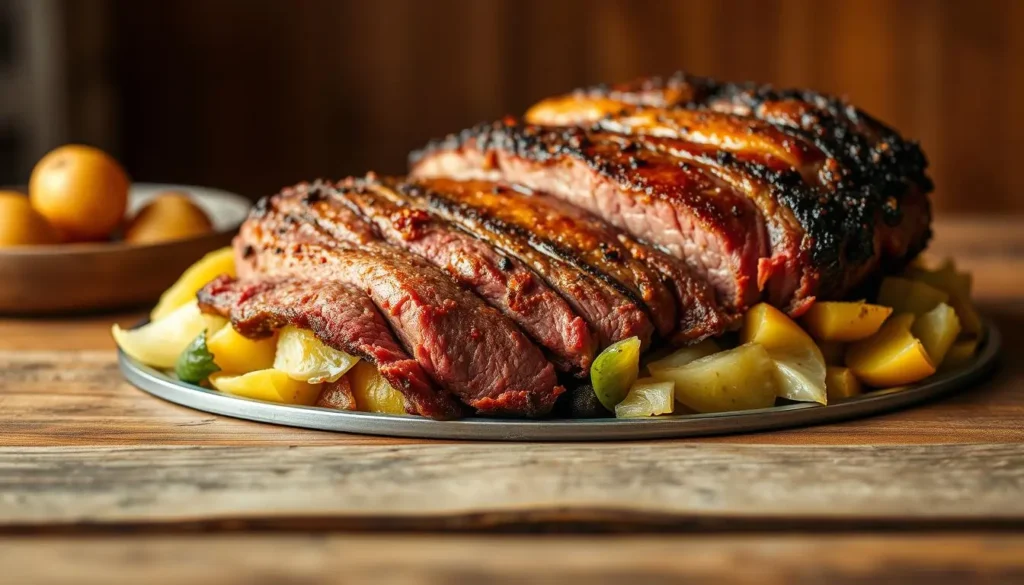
(104, 484)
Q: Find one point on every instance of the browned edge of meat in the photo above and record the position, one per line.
(501, 280)
(469, 348)
(340, 316)
(676, 205)
(610, 313)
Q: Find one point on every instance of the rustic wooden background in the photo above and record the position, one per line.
(253, 94)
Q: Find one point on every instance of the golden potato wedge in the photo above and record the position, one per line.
(160, 343)
(647, 397)
(841, 383)
(372, 392)
(737, 379)
(910, 296)
(937, 329)
(269, 385)
(839, 321)
(960, 353)
(304, 357)
(891, 357)
(834, 352)
(196, 277)
(235, 354)
(945, 277)
(799, 362)
(958, 286)
(685, 355)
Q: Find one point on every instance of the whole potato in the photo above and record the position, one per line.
(170, 216)
(20, 225)
(81, 190)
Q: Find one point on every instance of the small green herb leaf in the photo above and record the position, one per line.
(195, 364)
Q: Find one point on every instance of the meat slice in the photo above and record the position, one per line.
(678, 205)
(467, 347)
(610, 311)
(502, 280)
(341, 317)
(594, 246)
(591, 246)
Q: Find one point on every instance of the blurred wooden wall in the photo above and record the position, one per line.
(253, 94)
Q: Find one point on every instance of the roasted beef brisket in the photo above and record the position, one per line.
(465, 346)
(787, 194)
(661, 209)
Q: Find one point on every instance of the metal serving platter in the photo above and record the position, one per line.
(167, 387)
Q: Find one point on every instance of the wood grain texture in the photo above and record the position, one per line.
(482, 485)
(435, 560)
(351, 85)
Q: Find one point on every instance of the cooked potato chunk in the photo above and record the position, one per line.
(614, 371)
(960, 353)
(235, 354)
(685, 355)
(910, 296)
(159, 343)
(196, 277)
(269, 385)
(937, 329)
(737, 379)
(841, 383)
(304, 357)
(891, 357)
(372, 391)
(799, 362)
(958, 286)
(836, 321)
(647, 397)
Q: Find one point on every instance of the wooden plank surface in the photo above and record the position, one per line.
(490, 485)
(80, 450)
(942, 559)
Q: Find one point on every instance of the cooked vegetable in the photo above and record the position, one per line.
(946, 278)
(615, 370)
(81, 190)
(958, 286)
(834, 352)
(338, 395)
(196, 277)
(20, 225)
(160, 343)
(800, 364)
(169, 216)
(235, 354)
(372, 391)
(306, 358)
(196, 363)
(841, 383)
(647, 397)
(836, 321)
(737, 379)
(685, 355)
(909, 296)
(960, 353)
(268, 385)
(937, 329)
(891, 357)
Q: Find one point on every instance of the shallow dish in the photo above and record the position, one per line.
(106, 275)
(163, 386)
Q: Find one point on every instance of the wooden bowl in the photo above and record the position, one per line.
(39, 280)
